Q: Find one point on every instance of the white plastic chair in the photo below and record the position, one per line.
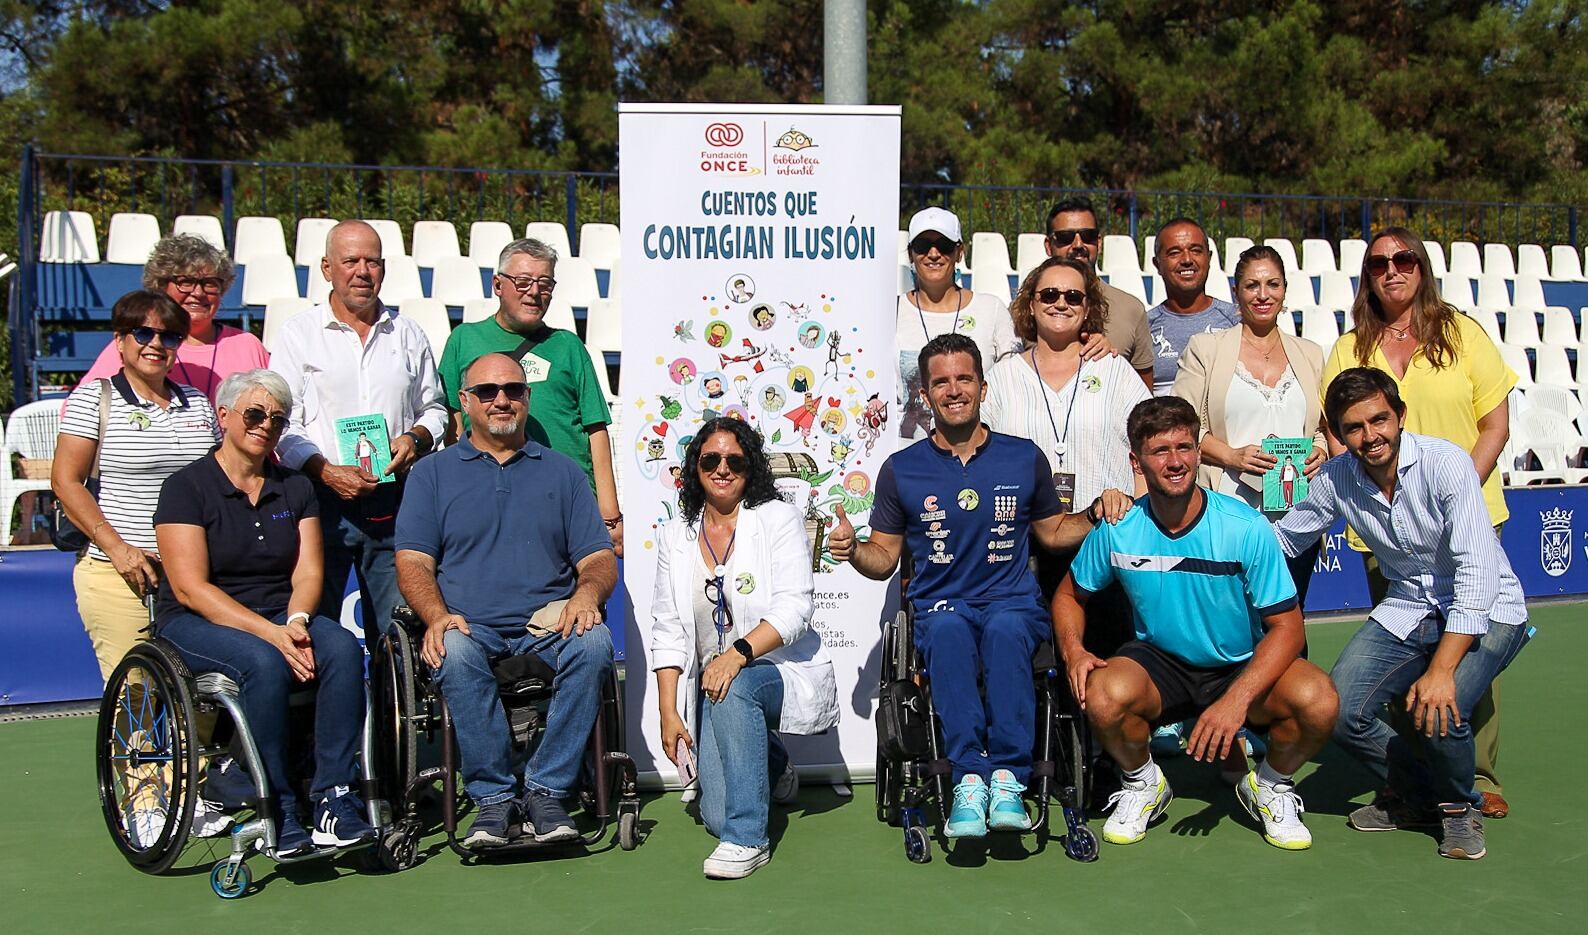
(1497, 260)
(601, 244)
(1457, 290)
(1488, 319)
(456, 281)
(1317, 257)
(1560, 329)
(270, 276)
(131, 237)
(479, 309)
(550, 233)
(277, 313)
(402, 283)
(69, 237)
(1436, 259)
(1233, 248)
(1493, 293)
(1521, 328)
(1546, 436)
(1130, 284)
(904, 247)
(1219, 285)
(486, 240)
(1465, 260)
(1335, 291)
(576, 282)
(990, 251)
(1352, 252)
(1029, 253)
(559, 314)
(1320, 326)
(992, 279)
(1287, 321)
(259, 236)
(434, 241)
(1528, 293)
(1149, 249)
(29, 434)
(603, 378)
(431, 316)
(1554, 397)
(206, 227)
(1119, 256)
(1299, 290)
(1516, 359)
(309, 249)
(603, 326)
(319, 288)
(1551, 367)
(1287, 254)
(1531, 261)
(1565, 263)
(391, 236)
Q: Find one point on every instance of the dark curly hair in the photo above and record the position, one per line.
(759, 484)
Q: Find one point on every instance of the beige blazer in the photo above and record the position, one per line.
(1208, 365)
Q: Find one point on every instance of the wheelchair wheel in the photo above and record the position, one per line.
(628, 830)
(917, 845)
(395, 707)
(235, 887)
(146, 756)
(399, 848)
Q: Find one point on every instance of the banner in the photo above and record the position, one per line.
(759, 271)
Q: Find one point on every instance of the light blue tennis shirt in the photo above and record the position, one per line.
(1201, 594)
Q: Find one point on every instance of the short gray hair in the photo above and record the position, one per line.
(530, 247)
(244, 380)
(186, 255)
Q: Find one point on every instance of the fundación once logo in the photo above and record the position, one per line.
(724, 155)
(1554, 541)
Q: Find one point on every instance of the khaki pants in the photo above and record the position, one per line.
(112, 613)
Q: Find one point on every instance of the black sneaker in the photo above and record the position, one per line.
(339, 821)
(547, 819)
(291, 838)
(490, 825)
(228, 785)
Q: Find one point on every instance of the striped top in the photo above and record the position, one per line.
(143, 445)
(1433, 541)
(1094, 445)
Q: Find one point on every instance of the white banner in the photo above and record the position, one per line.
(759, 272)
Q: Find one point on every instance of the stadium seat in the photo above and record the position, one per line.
(1155, 291)
(319, 288)
(1436, 259)
(1551, 367)
(205, 226)
(1464, 259)
(1457, 290)
(1299, 290)
(601, 244)
(434, 241)
(1531, 261)
(1320, 326)
(1352, 252)
(1493, 293)
(1516, 359)
(309, 249)
(603, 377)
(559, 314)
(277, 313)
(1546, 436)
(992, 281)
(1528, 293)
(479, 309)
(551, 233)
(1119, 256)
(615, 282)
(1560, 328)
(131, 237)
(906, 279)
(391, 236)
(1287, 253)
(258, 235)
(1219, 286)
(1489, 321)
(486, 240)
(1335, 291)
(1521, 328)
(430, 315)
(29, 434)
(1565, 263)
(402, 283)
(1130, 285)
(1497, 260)
(456, 281)
(1233, 248)
(1317, 257)
(1287, 321)
(990, 251)
(270, 276)
(904, 247)
(69, 237)
(1029, 253)
(576, 282)
(1149, 249)
(603, 326)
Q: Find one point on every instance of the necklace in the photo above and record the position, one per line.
(1272, 346)
(1400, 334)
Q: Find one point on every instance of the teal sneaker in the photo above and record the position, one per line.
(1169, 740)
(968, 817)
(1006, 811)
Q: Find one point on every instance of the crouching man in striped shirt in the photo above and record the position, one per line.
(1452, 620)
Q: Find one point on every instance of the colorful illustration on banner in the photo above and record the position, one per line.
(810, 334)
(840, 449)
(718, 334)
(762, 318)
(833, 420)
(871, 422)
(684, 331)
(800, 379)
(748, 352)
(736, 412)
(740, 289)
(711, 385)
(833, 339)
(772, 398)
(682, 371)
(670, 407)
(804, 416)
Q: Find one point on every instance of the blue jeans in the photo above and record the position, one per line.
(1376, 669)
(262, 675)
(360, 537)
(995, 640)
(583, 664)
(738, 753)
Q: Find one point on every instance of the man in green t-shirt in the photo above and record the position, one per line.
(567, 411)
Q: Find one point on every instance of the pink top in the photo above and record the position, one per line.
(201, 366)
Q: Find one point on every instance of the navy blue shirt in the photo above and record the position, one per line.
(506, 537)
(967, 525)
(253, 547)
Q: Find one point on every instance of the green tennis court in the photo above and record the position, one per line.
(836, 869)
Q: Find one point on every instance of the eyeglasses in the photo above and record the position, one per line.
(170, 340)
(738, 464)
(209, 284)
(721, 611)
(1063, 238)
(530, 283)
(926, 243)
(253, 417)
(486, 392)
(1072, 297)
(1405, 261)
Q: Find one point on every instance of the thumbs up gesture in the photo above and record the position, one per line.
(841, 540)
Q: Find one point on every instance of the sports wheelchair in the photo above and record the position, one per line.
(148, 758)
(913, 774)
(411, 706)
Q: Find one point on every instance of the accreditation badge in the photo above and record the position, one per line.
(1064, 486)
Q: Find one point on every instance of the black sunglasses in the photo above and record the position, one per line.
(738, 464)
(1405, 261)
(253, 417)
(486, 392)
(1063, 238)
(1050, 296)
(926, 243)
(170, 340)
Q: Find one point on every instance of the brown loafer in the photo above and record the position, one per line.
(1495, 806)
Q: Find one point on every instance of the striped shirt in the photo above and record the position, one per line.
(143, 445)
(1433, 540)
(1081, 428)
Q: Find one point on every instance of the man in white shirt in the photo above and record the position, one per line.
(354, 357)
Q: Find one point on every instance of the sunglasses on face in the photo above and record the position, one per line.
(1050, 296)
(486, 392)
(1063, 238)
(253, 417)
(926, 243)
(170, 340)
(738, 464)
(1405, 261)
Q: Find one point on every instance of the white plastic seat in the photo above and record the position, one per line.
(1565, 263)
(1497, 260)
(1320, 326)
(29, 434)
(1493, 293)
(434, 241)
(1335, 291)
(1547, 435)
(1119, 256)
(391, 236)
(1465, 260)
(1317, 257)
(277, 313)
(990, 251)
(1457, 290)
(552, 234)
(206, 227)
(1299, 291)
(1287, 321)
(992, 279)
(601, 244)
(456, 281)
(615, 282)
(1029, 253)
(430, 315)
(69, 237)
(486, 240)
(1233, 248)
(480, 309)
(1528, 293)
(1352, 253)
(1130, 284)
(603, 326)
(1560, 329)
(1436, 259)
(256, 236)
(402, 283)
(1531, 261)
(576, 282)
(559, 314)
(1521, 328)
(1488, 320)
(309, 249)
(270, 276)
(1552, 367)
(1219, 285)
(1287, 254)
(603, 378)
(904, 247)
(318, 289)
(1516, 359)
(131, 237)
(1149, 249)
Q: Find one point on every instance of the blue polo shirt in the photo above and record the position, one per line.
(1201, 594)
(506, 537)
(967, 525)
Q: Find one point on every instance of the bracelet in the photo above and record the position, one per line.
(419, 444)
(291, 617)
(613, 522)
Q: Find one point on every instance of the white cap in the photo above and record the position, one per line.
(935, 219)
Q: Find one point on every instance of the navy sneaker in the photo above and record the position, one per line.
(339, 820)
(228, 785)
(490, 825)
(291, 838)
(547, 819)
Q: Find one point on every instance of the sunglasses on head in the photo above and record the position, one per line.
(1063, 238)
(486, 392)
(738, 464)
(254, 416)
(1405, 261)
(1051, 296)
(925, 243)
(170, 340)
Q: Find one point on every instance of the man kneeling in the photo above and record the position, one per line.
(495, 533)
(1206, 578)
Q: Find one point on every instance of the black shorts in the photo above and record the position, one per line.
(1186, 690)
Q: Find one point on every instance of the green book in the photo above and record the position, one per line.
(1284, 484)
(361, 441)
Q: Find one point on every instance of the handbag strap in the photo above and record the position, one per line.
(104, 423)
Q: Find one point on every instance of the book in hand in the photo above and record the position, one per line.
(361, 442)
(1284, 484)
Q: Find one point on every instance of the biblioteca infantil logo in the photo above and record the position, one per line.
(794, 160)
(723, 155)
(1554, 541)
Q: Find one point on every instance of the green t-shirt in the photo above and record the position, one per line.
(564, 395)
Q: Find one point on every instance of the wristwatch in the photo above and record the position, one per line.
(743, 646)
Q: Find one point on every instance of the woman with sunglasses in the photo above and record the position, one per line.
(742, 636)
(244, 567)
(1454, 384)
(195, 275)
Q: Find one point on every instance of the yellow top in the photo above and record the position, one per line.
(1444, 403)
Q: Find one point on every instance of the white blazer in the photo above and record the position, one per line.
(769, 536)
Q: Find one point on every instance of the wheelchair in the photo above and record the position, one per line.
(149, 758)
(913, 774)
(411, 707)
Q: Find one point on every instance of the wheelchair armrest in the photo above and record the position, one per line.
(1046, 658)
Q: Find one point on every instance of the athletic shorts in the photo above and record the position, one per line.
(1186, 690)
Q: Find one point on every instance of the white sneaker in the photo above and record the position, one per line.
(787, 787)
(208, 819)
(144, 826)
(1279, 808)
(735, 861)
(1135, 806)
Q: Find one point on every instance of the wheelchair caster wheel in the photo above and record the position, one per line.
(398, 850)
(917, 846)
(239, 881)
(1081, 844)
(628, 830)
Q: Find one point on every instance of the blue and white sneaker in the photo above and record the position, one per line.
(339, 820)
(968, 816)
(291, 838)
(1168, 740)
(1006, 811)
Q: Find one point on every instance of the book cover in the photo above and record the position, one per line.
(361, 441)
(1284, 484)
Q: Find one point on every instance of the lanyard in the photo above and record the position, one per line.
(959, 304)
(1043, 387)
(719, 617)
(214, 354)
